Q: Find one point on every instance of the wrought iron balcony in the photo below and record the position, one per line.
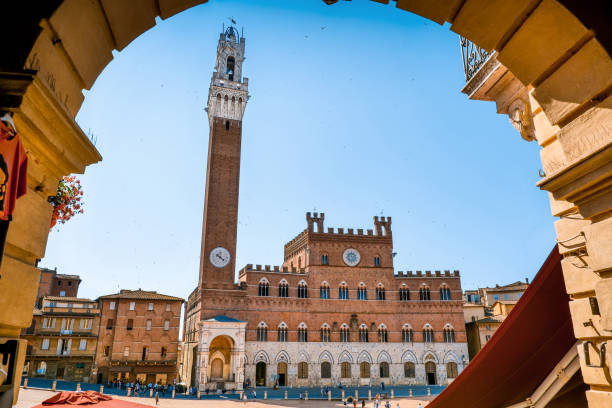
(473, 57)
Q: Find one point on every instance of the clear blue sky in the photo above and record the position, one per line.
(356, 110)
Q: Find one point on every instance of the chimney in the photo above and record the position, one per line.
(527, 281)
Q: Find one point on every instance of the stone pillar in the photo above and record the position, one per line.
(151, 393)
(306, 396)
(285, 394)
(342, 395)
(357, 395)
(392, 394)
(329, 395)
(25, 383)
(410, 392)
(129, 391)
(198, 393)
(53, 385)
(265, 395)
(369, 395)
(78, 387)
(101, 389)
(173, 392)
(428, 391)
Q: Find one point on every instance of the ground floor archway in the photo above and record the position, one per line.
(281, 371)
(260, 374)
(430, 373)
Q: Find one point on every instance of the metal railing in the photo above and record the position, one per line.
(473, 57)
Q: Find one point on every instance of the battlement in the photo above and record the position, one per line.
(270, 269)
(427, 274)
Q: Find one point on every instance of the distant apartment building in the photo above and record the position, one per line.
(56, 284)
(139, 336)
(62, 338)
(484, 310)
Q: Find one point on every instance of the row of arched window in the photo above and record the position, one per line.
(365, 369)
(343, 291)
(382, 333)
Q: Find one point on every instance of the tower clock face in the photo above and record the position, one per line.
(219, 257)
(351, 257)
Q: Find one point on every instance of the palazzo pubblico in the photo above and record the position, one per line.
(335, 311)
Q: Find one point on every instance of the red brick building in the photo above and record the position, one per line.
(138, 337)
(335, 311)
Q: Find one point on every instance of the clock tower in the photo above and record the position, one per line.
(227, 99)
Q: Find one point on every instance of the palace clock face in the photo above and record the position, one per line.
(351, 257)
(219, 257)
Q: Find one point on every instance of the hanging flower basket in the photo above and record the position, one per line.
(67, 202)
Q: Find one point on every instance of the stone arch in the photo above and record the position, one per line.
(451, 356)
(261, 356)
(409, 356)
(115, 24)
(326, 356)
(383, 356)
(264, 280)
(283, 356)
(345, 356)
(429, 356)
(303, 356)
(217, 354)
(364, 356)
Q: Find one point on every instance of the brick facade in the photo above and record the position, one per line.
(138, 338)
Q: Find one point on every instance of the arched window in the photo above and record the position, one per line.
(263, 287)
(302, 290)
(424, 293)
(404, 292)
(364, 369)
(445, 293)
(409, 370)
(362, 292)
(345, 369)
(428, 334)
(451, 370)
(326, 369)
(282, 332)
(283, 289)
(382, 334)
(363, 333)
(324, 259)
(262, 332)
(380, 292)
(302, 333)
(377, 261)
(344, 333)
(384, 369)
(302, 369)
(407, 334)
(343, 292)
(230, 67)
(325, 333)
(324, 290)
(449, 334)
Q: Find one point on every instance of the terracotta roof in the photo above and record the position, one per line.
(67, 299)
(62, 276)
(528, 345)
(140, 294)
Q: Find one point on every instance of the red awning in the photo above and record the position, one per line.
(68, 399)
(523, 351)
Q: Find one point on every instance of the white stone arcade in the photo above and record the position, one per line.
(221, 353)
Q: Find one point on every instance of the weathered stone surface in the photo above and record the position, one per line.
(603, 291)
(30, 226)
(436, 10)
(544, 131)
(599, 245)
(581, 315)
(549, 32)
(594, 375)
(566, 88)
(589, 132)
(579, 277)
(16, 311)
(129, 19)
(570, 233)
(553, 157)
(599, 399)
(168, 8)
(488, 22)
(559, 207)
(84, 35)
